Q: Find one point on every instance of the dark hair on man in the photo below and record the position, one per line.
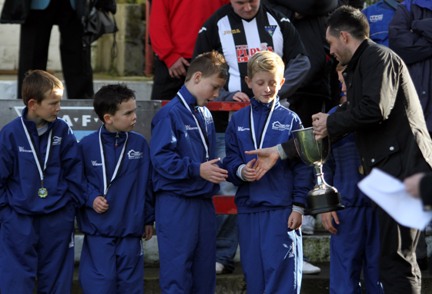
(348, 19)
(208, 64)
(37, 84)
(109, 97)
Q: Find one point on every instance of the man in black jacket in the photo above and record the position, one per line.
(384, 111)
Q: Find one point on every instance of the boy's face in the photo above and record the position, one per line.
(47, 110)
(343, 86)
(206, 89)
(124, 119)
(265, 85)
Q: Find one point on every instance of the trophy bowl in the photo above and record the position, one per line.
(323, 197)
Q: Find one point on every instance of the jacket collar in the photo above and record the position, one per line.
(188, 97)
(355, 58)
(31, 124)
(258, 105)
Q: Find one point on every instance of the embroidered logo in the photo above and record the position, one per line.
(280, 127)
(95, 163)
(232, 32)
(56, 140)
(132, 154)
(290, 253)
(242, 129)
(376, 18)
(203, 29)
(284, 19)
(22, 149)
(191, 128)
(270, 29)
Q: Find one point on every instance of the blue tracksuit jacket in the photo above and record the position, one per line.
(177, 150)
(130, 195)
(19, 176)
(379, 16)
(287, 183)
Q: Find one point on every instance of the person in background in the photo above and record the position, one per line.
(379, 16)
(174, 27)
(119, 204)
(41, 185)
(34, 44)
(186, 175)
(410, 36)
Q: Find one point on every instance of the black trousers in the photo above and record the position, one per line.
(399, 272)
(164, 86)
(75, 58)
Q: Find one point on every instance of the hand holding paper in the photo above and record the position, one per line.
(389, 193)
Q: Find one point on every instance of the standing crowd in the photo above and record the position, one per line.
(360, 78)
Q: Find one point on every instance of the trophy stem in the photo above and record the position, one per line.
(320, 182)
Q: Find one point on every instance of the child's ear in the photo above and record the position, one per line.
(31, 104)
(107, 118)
(248, 82)
(196, 77)
(282, 82)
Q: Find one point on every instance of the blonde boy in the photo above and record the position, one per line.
(269, 210)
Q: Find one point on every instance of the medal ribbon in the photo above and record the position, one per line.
(198, 125)
(36, 158)
(264, 131)
(102, 153)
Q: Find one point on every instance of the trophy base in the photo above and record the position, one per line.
(323, 200)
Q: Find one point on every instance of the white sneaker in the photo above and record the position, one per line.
(308, 225)
(219, 268)
(310, 269)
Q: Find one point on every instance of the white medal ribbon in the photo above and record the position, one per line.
(198, 125)
(102, 154)
(36, 158)
(264, 131)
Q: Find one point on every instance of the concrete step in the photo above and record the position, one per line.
(234, 283)
(315, 247)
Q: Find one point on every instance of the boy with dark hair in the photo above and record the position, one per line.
(40, 186)
(270, 210)
(186, 175)
(118, 210)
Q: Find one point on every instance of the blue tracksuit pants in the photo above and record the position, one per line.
(271, 255)
(186, 232)
(354, 248)
(39, 247)
(112, 265)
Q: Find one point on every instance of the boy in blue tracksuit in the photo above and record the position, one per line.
(185, 176)
(118, 210)
(356, 225)
(269, 210)
(40, 187)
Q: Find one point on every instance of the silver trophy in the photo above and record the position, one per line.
(323, 197)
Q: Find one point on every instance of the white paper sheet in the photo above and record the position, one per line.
(389, 193)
